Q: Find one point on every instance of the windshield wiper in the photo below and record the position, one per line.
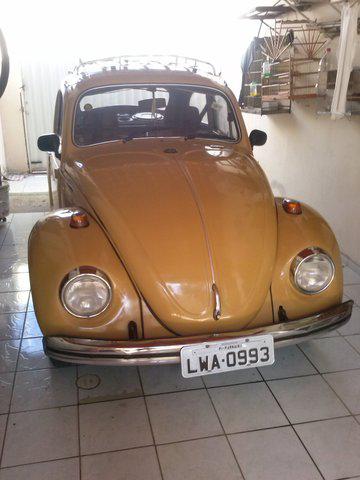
(207, 135)
(147, 130)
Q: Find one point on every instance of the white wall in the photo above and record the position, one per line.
(316, 160)
(10, 111)
(2, 150)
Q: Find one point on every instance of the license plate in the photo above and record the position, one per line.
(226, 356)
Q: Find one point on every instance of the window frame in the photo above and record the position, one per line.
(58, 113)
(157, 84)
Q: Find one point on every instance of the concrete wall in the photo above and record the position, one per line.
(316, 160)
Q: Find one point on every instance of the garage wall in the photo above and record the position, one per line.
(2, 150)
(316, 160)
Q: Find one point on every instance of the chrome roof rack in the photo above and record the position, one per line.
(146, 62)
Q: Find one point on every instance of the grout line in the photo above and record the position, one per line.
(224, 432)
(78, 418)
(349, 343)
(150, 424)
(85, 455)
(40, 462)
(129, 397)
(12, 391)
(292, 426)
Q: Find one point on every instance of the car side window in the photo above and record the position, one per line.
(58, 113)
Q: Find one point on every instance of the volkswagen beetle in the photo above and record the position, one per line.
(167, 244)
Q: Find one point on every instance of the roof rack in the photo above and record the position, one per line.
(146, 62)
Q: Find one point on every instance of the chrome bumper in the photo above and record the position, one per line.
(167, 350)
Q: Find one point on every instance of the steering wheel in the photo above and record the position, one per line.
(5, 66)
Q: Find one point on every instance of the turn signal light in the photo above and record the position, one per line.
(292, 206)
(79, 219)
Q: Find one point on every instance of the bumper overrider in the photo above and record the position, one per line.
(167, 350)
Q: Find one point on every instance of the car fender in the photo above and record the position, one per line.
(295, 233)
(55, 249)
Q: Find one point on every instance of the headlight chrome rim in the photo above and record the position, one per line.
(305, 255)
(82, 272)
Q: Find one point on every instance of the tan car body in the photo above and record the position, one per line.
(165, 227)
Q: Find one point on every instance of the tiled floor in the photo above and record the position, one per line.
(298, 419)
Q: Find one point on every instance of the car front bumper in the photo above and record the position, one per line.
(167, 350)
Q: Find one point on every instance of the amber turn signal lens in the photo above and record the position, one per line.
(292, 206)
(79, 220)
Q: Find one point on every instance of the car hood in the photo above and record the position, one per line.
(183, 220)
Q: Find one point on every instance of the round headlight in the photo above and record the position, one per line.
(86, 294)
(313, 270)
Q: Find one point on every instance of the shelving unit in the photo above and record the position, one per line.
(304, 77)
(273, 93)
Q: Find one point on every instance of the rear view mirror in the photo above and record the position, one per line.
(49, 143)
(257, 138)
(147, 104)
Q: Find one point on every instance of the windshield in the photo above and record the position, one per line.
(124, 113)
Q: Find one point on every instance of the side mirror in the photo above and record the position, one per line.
(257, 138)
(49, 143)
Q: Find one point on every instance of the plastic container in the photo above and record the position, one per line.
(321, 85)
(266, 68)
(254, 89)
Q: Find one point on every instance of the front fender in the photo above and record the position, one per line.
(295, 233)
(54, 250)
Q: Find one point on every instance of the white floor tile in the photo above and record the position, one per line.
(17, 235)
(12, 302)
(289, 362)
(114, 383)
(334, 445)
(166, 378)
(31, 328)
(352, 291)
(8, 266)
(182, 416)
(353, 325)
(4, 227)
(6, 384)
(11, 325)
(9, 350)
(15, 283)
(347, 386)
(30, 307)
(350, 276)
(247, 407)
(208, 459)
(354, 340)
(3, 419)
(232, 378)
(275, 454)
(295, 395)
(331, 354)
(67, 469)
(14, 252)
(39, 389)
(117, 425)
(135, 464)
(32, 356)
(41, 435)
